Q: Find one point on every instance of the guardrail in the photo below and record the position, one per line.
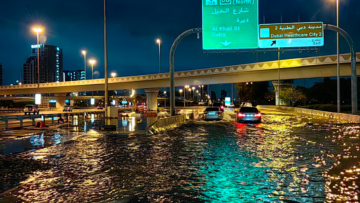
(166, 123)
(11, 110)
(21, 118)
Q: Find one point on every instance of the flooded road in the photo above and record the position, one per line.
(288, 158)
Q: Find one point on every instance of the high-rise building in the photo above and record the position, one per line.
(73, 75)
(1, 75)
(51, 65)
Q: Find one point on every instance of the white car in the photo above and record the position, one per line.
(213, 113)
(31, 109)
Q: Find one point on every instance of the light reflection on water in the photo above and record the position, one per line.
(206, 161)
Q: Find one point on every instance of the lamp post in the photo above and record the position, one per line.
(193, 88)
(38, 30)
(181, 91)
(105, 60)
(338, 61)
(113, 74)
(84, 53)
(92, 62)
(165, 98)
(185, 88)
(158, 41)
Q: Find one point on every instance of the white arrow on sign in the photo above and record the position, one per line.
(226, 43)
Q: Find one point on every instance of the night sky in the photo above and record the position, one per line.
(133, 27)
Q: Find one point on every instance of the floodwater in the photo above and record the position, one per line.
(287, 158)
(15, 143)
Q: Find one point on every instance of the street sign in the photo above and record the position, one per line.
(230, 24)
(38, 99)
(285, 35)
(227, 101)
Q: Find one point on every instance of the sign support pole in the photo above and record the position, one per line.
(172, 63)
(278, 104)
(354, 96)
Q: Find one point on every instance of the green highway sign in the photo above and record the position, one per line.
(230, 24)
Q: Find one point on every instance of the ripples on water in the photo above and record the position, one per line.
(198, 162)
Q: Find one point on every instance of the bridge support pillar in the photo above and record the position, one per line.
(60, 100)
(283, 84)
(151, 98)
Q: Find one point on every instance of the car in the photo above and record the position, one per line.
(246, 104)
(100, 107)
(31, 109)
(67, 108)
(231, 106)
(213, 113)
(248, 114)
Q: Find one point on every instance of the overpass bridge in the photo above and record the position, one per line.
(311, 67)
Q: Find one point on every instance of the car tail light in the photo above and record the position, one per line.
(258, 115)
(241, 115)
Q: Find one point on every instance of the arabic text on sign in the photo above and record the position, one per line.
(242, 21)
(216, 11)
(238, 12)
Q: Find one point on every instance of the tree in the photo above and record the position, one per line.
(270, 95)
(291, 94)
(253, 91)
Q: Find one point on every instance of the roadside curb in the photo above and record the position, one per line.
(325, 114)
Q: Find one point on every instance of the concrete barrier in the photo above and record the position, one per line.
(166, 124)
(325, 114)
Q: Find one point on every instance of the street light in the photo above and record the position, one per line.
(338, 61)
(193, 88)
(185, 88)
(158, 41)
(113, 74)
(92, 62)
(181, 91)
(84, 53)
(38, 30)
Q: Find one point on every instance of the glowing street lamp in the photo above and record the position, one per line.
(92, 62)
(83, 52)
(113, 74)
(38, 30)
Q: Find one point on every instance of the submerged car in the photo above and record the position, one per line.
(213, 113)
(248, 114)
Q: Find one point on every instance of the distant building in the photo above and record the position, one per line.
(73, 75)
(1, 75)
(223, 95)
(51, 65)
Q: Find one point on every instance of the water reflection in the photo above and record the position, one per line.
(37, 140)
(283, 159)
